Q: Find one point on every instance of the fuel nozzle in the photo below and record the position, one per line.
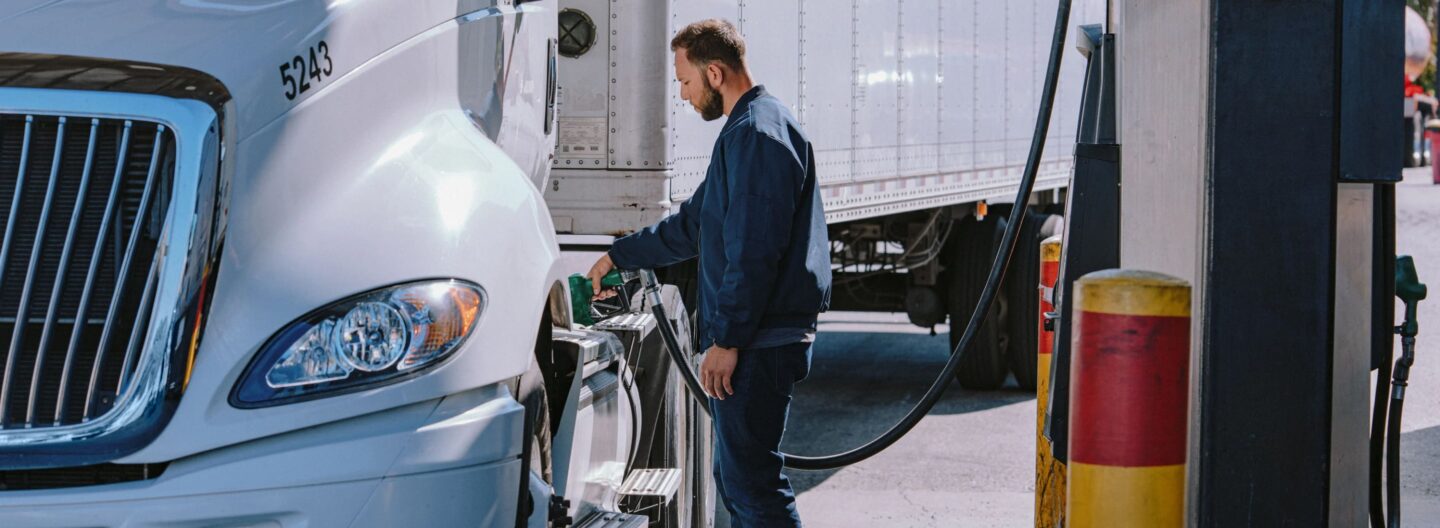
(581, 290)
(1410, 291)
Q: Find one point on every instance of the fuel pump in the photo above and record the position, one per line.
(1410, 291)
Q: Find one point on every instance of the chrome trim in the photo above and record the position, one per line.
(15, 200)
(135, 335)
(184, 254)
(22, 313)
(80, 322)
(122, 275)
(64, 266)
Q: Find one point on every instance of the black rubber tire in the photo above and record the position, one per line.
(1022, 283)
(535, 453)
(972, 251)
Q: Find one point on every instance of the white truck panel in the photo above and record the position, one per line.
(920, 89)
(875, 154)
(958, 89)
(691, 138)
(991, 85)
(772, 29)
(584, 97)
(1021, 82)
(640, 75)
(829, 89)
(910, 105)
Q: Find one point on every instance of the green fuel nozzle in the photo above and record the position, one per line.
(1411, 291)
(581, 290)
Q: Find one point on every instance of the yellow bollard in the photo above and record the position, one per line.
(1129, 388)
(1049, 473)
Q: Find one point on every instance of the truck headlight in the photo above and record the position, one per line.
(363, 341)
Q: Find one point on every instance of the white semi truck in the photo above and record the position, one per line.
(304, 262)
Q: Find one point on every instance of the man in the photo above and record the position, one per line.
(757, 226)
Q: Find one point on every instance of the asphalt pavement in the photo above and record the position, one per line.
(970, 463)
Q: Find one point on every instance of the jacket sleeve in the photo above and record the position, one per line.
(676, 238)
(763, 184)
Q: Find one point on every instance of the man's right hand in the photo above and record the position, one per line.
(597, 272)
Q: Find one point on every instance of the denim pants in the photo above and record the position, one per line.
(748, 427)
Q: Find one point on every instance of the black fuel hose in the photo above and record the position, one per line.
(987, 296)
(1392, 461)
(1392, 435)
(1377, 443)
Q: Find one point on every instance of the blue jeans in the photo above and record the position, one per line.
(748, 427)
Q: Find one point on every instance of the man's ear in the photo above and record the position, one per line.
(714, 75)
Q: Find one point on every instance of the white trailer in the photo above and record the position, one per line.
(305, 263)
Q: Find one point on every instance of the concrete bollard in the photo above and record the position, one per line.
(1129, 388)
(1049, 473)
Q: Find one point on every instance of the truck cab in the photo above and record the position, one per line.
(288, 264)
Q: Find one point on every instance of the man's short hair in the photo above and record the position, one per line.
(713, 40)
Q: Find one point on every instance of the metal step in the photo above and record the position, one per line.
(613, 520)
(660, 483)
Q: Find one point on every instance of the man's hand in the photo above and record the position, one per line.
(601, 268)
(716, 369)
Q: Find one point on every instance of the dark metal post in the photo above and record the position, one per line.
(1092, 213)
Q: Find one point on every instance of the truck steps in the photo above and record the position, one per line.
(653, 483)
(601, 519)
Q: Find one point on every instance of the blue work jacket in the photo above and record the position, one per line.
(758, 227)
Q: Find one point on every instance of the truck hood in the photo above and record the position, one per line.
(242, 43)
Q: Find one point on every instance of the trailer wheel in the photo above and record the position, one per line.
(972, 250)
(1021, 284)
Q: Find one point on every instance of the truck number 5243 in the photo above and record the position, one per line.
(296, 74)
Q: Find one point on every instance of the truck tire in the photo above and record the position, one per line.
(1021, 284)
(973, 247)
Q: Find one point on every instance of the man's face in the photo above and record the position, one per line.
(696, 89)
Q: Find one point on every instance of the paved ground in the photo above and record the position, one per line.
(972, 459)
(971, 462)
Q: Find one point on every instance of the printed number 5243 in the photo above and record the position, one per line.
(296, 73)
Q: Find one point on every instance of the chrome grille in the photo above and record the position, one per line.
(83, 204)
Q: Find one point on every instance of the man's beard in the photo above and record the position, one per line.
(712, 105)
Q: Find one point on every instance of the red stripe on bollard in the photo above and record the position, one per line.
(1133, 373)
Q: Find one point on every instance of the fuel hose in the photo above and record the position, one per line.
(987, 296)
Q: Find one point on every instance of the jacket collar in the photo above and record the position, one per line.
(742, 106)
